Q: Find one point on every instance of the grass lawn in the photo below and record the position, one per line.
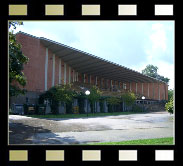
(83, 115)
(156, 141)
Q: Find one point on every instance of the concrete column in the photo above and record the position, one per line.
(69, 74)
(53, 71)
(84, 78)
(90, 79)
(60, 71)
(73, 76)
(46, 69)
(65, 73)
(130, 86)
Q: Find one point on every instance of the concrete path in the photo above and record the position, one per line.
(88, 130)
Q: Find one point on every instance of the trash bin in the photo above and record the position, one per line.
(41, 109)
(18, 109)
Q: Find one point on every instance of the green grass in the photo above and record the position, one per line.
(156, 141)
(82, 115)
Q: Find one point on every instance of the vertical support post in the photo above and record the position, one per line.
(65, 73)
(46, 69)
(60, 71)
(69, 74)
(53, 71)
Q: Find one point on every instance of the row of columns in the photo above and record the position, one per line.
(75, 77)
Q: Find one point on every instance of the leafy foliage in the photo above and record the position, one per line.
(152, 71)
(129, 98)
(94, 96)
(113, 102)
(81, 97)
(59, 93)
(16, 62)
(170, 94)
(169, 106)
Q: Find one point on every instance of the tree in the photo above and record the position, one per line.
(170, 94)
(94, 96)
(16, 62)
(152, 71)
(169, 106)
(113, 101)
(59, 93)
(128, 98)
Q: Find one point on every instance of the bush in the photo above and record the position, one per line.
(169, 106)
(136, 108)
(69, 108)
(129, 98)
(81, 98)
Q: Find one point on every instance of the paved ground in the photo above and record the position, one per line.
(26, 130)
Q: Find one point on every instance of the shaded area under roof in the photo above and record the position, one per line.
(89, 64)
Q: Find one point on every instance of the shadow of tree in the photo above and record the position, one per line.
(20, 133)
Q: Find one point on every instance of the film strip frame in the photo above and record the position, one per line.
(88, 155)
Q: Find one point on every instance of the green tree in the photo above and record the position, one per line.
(152, 71)
(169, 106)
(94, 96)
(170, 94)
(128, 98)
(60, 93)
(113, 102)
(16, 62)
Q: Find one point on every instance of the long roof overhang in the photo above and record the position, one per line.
(89, 64)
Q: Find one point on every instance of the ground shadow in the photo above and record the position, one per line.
(20, 133)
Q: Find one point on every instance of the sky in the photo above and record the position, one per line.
(133, 44)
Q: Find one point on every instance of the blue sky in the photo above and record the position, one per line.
(133, 44)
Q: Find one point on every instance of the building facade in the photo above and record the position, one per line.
(51, 63)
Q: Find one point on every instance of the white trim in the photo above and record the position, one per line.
(53, 71)
(60, 72)
(46, 69)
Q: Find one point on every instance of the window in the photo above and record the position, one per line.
(124, 86)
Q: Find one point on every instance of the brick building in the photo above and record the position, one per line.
(51, 63)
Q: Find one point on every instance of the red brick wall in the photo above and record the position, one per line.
(50, 69)
(34, 69)
(145, 89)
(156, 94)
(133, 87)
(139, 88)
(56, 70)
